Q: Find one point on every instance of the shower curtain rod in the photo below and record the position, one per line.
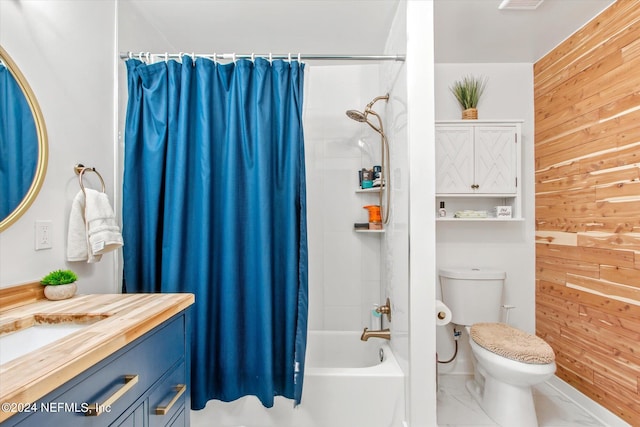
(147, 56)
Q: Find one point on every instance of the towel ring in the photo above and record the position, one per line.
(80, 169)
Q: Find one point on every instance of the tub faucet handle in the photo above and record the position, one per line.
(385, 309)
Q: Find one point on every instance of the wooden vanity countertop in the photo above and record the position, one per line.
(115, 320)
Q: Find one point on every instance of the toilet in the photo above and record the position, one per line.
(507, 361)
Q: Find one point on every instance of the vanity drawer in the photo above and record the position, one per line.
(168, 398)
(120, 380)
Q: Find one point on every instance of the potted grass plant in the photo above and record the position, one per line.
(59, 284)
(468, 91)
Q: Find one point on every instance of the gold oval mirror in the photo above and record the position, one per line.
(23, 143)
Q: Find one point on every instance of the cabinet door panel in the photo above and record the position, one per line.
(495, 160)
(454, 159)
(134, 419)
(180, 420)
(167, 396)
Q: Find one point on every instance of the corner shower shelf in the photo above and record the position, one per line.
(372, 190)
(368, 190)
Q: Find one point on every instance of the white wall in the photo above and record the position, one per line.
(65, 49)
(344, 266)
(506, 246)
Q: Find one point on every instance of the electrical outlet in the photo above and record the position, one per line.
(43, 235)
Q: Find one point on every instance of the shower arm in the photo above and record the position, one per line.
(376, 99)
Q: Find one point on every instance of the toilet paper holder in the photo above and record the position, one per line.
(443, 314)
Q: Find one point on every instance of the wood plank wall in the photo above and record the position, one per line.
(587, 162)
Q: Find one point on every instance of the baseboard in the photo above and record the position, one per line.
(598, 411)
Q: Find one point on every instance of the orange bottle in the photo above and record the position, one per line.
(374, 213)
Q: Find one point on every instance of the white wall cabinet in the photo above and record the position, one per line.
(478, 164)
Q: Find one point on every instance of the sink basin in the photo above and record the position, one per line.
(19, 343)
(36, 332)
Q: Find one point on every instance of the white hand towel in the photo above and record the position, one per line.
(77, 234)
(102, 231)
(92, 227)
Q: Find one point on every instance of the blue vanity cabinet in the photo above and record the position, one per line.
(143, 384)
(133, 418)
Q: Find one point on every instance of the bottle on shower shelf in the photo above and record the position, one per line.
(375, 217)
(375, 322)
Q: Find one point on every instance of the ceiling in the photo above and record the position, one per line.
(477, 31)
(256, 26)
(465, 30)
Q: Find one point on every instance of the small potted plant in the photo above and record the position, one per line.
(468, 91)
(59, 284)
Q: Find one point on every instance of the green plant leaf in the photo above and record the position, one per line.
(468, 91)
(59, 277)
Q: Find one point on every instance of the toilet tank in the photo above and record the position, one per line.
(473, 294)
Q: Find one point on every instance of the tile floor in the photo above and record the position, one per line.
(457, 408)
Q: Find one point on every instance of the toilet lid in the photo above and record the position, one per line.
(512, 343)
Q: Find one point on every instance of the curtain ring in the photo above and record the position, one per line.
(270, 58)
(215, 58)
(233, 56)
(166, 57)
(180, 55)
(299, 60)
(253, 57)
(289, 58)
(130, 55)
(147, 57)
(140, 56)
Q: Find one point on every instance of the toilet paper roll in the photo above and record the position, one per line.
(443, 314)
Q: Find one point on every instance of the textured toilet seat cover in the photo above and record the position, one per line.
(512, 343)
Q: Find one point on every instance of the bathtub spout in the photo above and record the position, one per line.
(384, 334)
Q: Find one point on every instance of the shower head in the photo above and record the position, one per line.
(357, 116)
(361, 117)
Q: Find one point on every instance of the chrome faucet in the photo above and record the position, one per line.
(383, 333)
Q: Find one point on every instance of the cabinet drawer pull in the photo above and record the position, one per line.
(164, 410)
(98, 408)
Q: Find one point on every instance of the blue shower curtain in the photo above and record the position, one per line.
(18, 144)
(214, 203)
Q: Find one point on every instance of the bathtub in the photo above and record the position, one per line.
(347, 383)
